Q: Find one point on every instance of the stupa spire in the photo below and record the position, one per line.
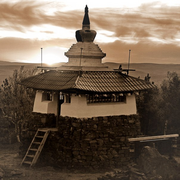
(86, 22)
(85, 34)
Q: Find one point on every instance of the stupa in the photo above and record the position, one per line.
(94, 105)
(89, 88)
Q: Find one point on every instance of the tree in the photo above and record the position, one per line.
(159, 108)
(149, 112)
(16, 100)
(170, 93)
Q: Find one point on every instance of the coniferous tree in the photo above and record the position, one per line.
(16, 100)
(170, 93)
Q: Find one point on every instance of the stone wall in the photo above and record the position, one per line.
(96, 143)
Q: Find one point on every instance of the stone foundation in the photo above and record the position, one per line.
(95, 143)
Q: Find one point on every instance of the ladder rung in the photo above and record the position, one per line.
(31, 156)
(36, 142)
(42, 130)
(27, 162)
(33, 149)
(40, 137)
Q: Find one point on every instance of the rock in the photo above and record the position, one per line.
(151, 166)
(16, 172)
(156, 166)
(1, 173)
(136, 171)
(156, 178)
(1, 176)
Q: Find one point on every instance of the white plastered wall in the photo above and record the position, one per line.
(45, 107)
(80, 109)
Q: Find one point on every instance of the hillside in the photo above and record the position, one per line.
(7, 68)
(158, 72)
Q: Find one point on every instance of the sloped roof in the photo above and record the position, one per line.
(94, 81)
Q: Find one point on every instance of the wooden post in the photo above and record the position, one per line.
(58, 110)
(174, 146)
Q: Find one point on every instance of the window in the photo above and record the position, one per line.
(46, 96)
(104, 98)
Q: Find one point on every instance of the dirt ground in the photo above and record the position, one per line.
(10, 166)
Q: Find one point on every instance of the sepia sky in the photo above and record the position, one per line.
(151, 29)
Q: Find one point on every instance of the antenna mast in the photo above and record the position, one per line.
(81, 56)
(128, 62)
(41, 56)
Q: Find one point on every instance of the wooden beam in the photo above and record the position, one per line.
(153, 138)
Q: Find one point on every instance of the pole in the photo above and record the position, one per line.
(129, 61)
(58, 109)
(41, 56)
(80, 56)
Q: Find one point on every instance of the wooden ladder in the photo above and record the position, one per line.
(35, 147)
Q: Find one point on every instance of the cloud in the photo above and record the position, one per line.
(142, 52)
(144, 22)
(151, 31)
(29, 13)
(20, 13)
(18, 49)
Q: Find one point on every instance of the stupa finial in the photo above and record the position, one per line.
(86, 22)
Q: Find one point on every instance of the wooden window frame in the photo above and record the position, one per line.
(47, 96)
(105, 98)
(68, 98)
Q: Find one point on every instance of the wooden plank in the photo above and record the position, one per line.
(27, 162)
(40, 137)
(36, 142)
(31, 156)
(33, 149)
(48, 129)
(150, 138)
